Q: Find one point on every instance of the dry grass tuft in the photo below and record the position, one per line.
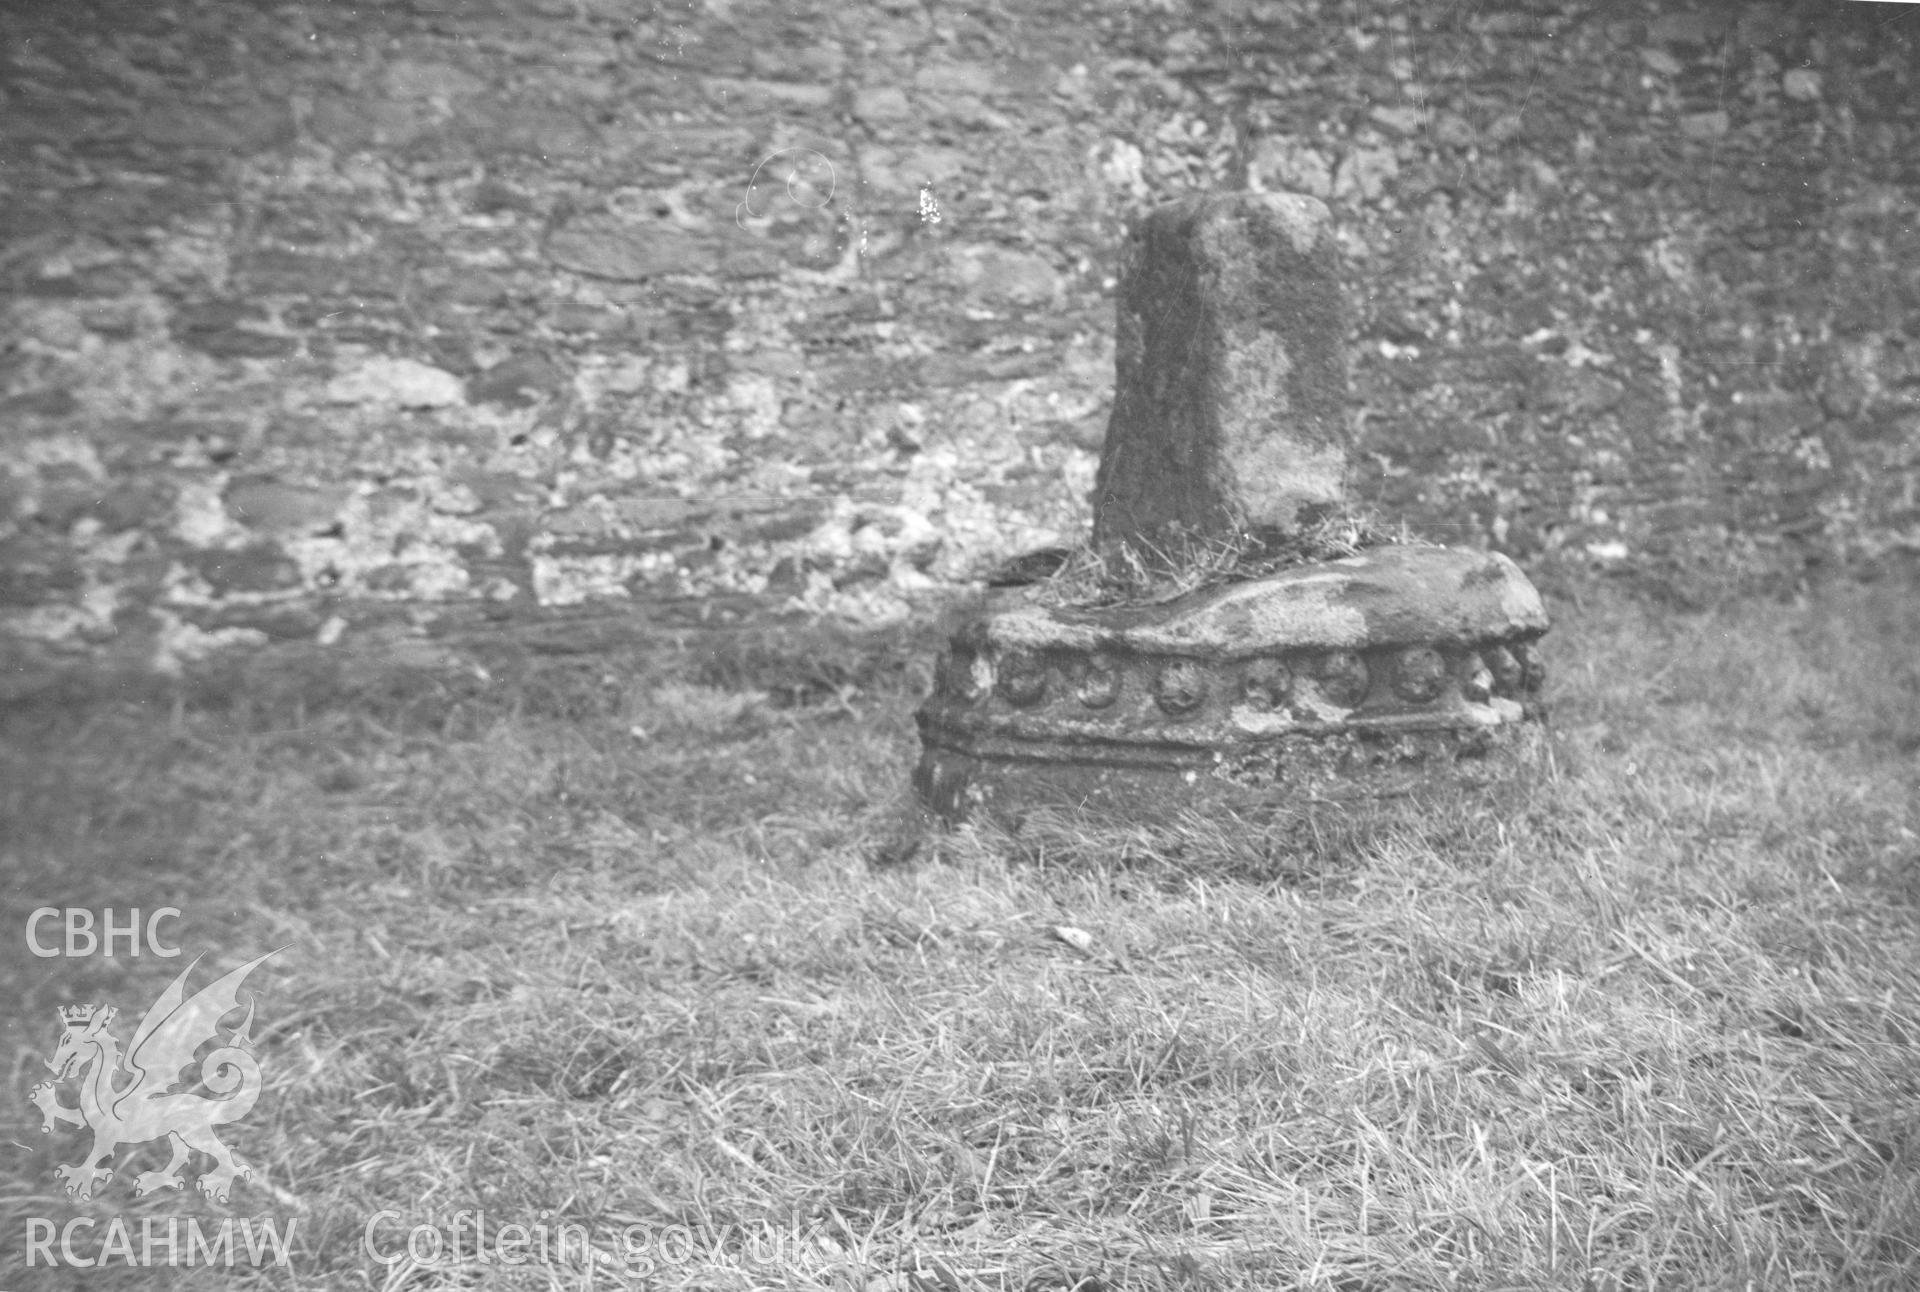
(1145, 574)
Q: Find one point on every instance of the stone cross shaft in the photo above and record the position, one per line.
(1230, 398)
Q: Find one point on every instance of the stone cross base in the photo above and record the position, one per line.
(1404, 666)
(1401, 668)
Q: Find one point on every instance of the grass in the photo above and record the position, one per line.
(1139, 572)
(603, 945)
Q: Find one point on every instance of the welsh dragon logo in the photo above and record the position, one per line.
(156, 1103)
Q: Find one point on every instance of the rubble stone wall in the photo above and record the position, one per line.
(328, 323)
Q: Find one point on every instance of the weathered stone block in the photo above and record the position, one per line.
(267, 504)
(396, 383)
(521, 380)
(604, 247)
(1229, 409)
(263, 567)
